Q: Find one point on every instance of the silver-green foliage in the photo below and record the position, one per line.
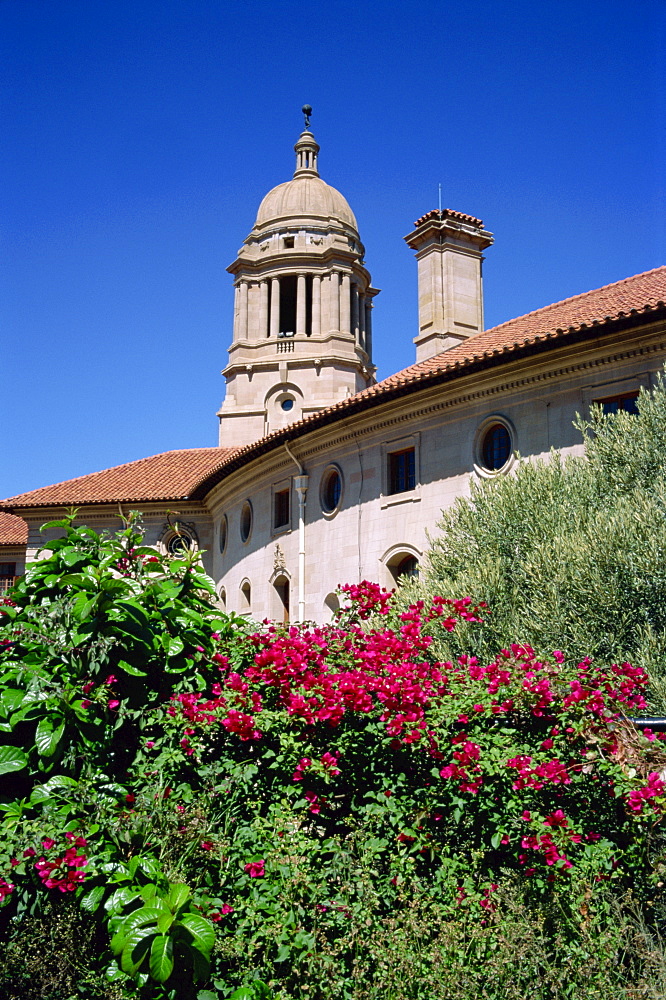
(570, 553)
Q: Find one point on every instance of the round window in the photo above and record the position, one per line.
(223, 533)
(246, 521)
(178, 544)
(495, 447)
(331, 490)
(287, 404)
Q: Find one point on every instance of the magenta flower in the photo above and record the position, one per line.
(255, 869)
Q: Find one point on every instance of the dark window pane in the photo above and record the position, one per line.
(496, 447)
(332, 491)
(281, 509)
(401, 471)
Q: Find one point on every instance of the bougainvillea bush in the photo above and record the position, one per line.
(193, 806)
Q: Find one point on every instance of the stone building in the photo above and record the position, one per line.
(322, 475)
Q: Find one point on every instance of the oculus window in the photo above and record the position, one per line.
(330, 492)
(496, 447)
(246, 521)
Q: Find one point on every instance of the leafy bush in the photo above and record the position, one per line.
(195, 810)
(568, 553)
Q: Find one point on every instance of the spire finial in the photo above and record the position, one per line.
(307, 111)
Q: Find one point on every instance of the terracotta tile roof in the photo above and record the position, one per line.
(172, 475)
(448, 213)
(13, 530)
(585, 314)
(640, 294)
(192, 473)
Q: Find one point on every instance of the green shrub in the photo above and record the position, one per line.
(190, 809)
(569, 553)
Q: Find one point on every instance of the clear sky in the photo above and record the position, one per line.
(139, 136)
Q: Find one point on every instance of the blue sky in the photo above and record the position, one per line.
(140, 136)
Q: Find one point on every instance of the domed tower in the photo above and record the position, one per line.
(302, 335)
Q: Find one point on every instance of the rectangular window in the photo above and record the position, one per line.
(7, 576)
(281, 509)
(626, 402)
(401, 471)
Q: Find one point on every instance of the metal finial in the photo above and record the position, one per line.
(307, 111)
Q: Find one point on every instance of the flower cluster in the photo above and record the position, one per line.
(638, 797)
(64, 872)
(6, 889)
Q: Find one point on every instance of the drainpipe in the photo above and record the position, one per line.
(301, 485)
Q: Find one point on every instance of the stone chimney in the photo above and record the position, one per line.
(448, 249)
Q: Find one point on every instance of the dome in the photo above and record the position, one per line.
(305, 197)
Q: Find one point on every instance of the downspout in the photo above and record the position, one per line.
(301, 485)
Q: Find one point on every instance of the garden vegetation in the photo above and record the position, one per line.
(423, 799)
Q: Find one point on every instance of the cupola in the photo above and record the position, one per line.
(302, 337)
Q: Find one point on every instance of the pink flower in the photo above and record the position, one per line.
(113, 704)
(150, 744)
(6, 889)
(47, 844)
(206, 845)
(110, 680)
(225, 908)
(255, 869)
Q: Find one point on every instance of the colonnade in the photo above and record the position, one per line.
(335, 303)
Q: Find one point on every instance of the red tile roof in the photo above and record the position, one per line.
(192, 473)
(13, 530)
(172, 475)
(448, 213)
(583, 315)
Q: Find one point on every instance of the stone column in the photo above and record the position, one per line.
(242, 314)
(345, 305)
(355, 325)
(316, 305)
(361, 319)
(334, 301)
(263, 309)
(300, 306)
(236, 309)
(368, 328)
(275, 307)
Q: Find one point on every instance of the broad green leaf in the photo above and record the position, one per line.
(137, 946)
(161, 958)
(164, 922)
(120, 898)
(129, 669)
(178, 895)
(207, 995)
(11, 759)
(45, 791)
(48, 735)
(201, 930)
(10, 700)
(91, 900)
(175, 646)
(138, 918)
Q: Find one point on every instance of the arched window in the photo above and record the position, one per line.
(330, 491)
(245, 597)
(407, 567)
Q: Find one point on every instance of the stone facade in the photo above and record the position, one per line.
(324, 476)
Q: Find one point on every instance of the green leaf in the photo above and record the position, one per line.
(91, 900)
(129, 669)
(202, 932)
(41, 793)
(48, 735)
(164, 922)
(137, 946)
(175, 646)
(207, 995)
(12, 759)
(138, 918)
(161, 958)
(178, 895)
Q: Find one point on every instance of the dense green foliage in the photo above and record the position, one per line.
(569, 553)
(191, 809)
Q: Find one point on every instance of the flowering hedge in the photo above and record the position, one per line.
(229, 804)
